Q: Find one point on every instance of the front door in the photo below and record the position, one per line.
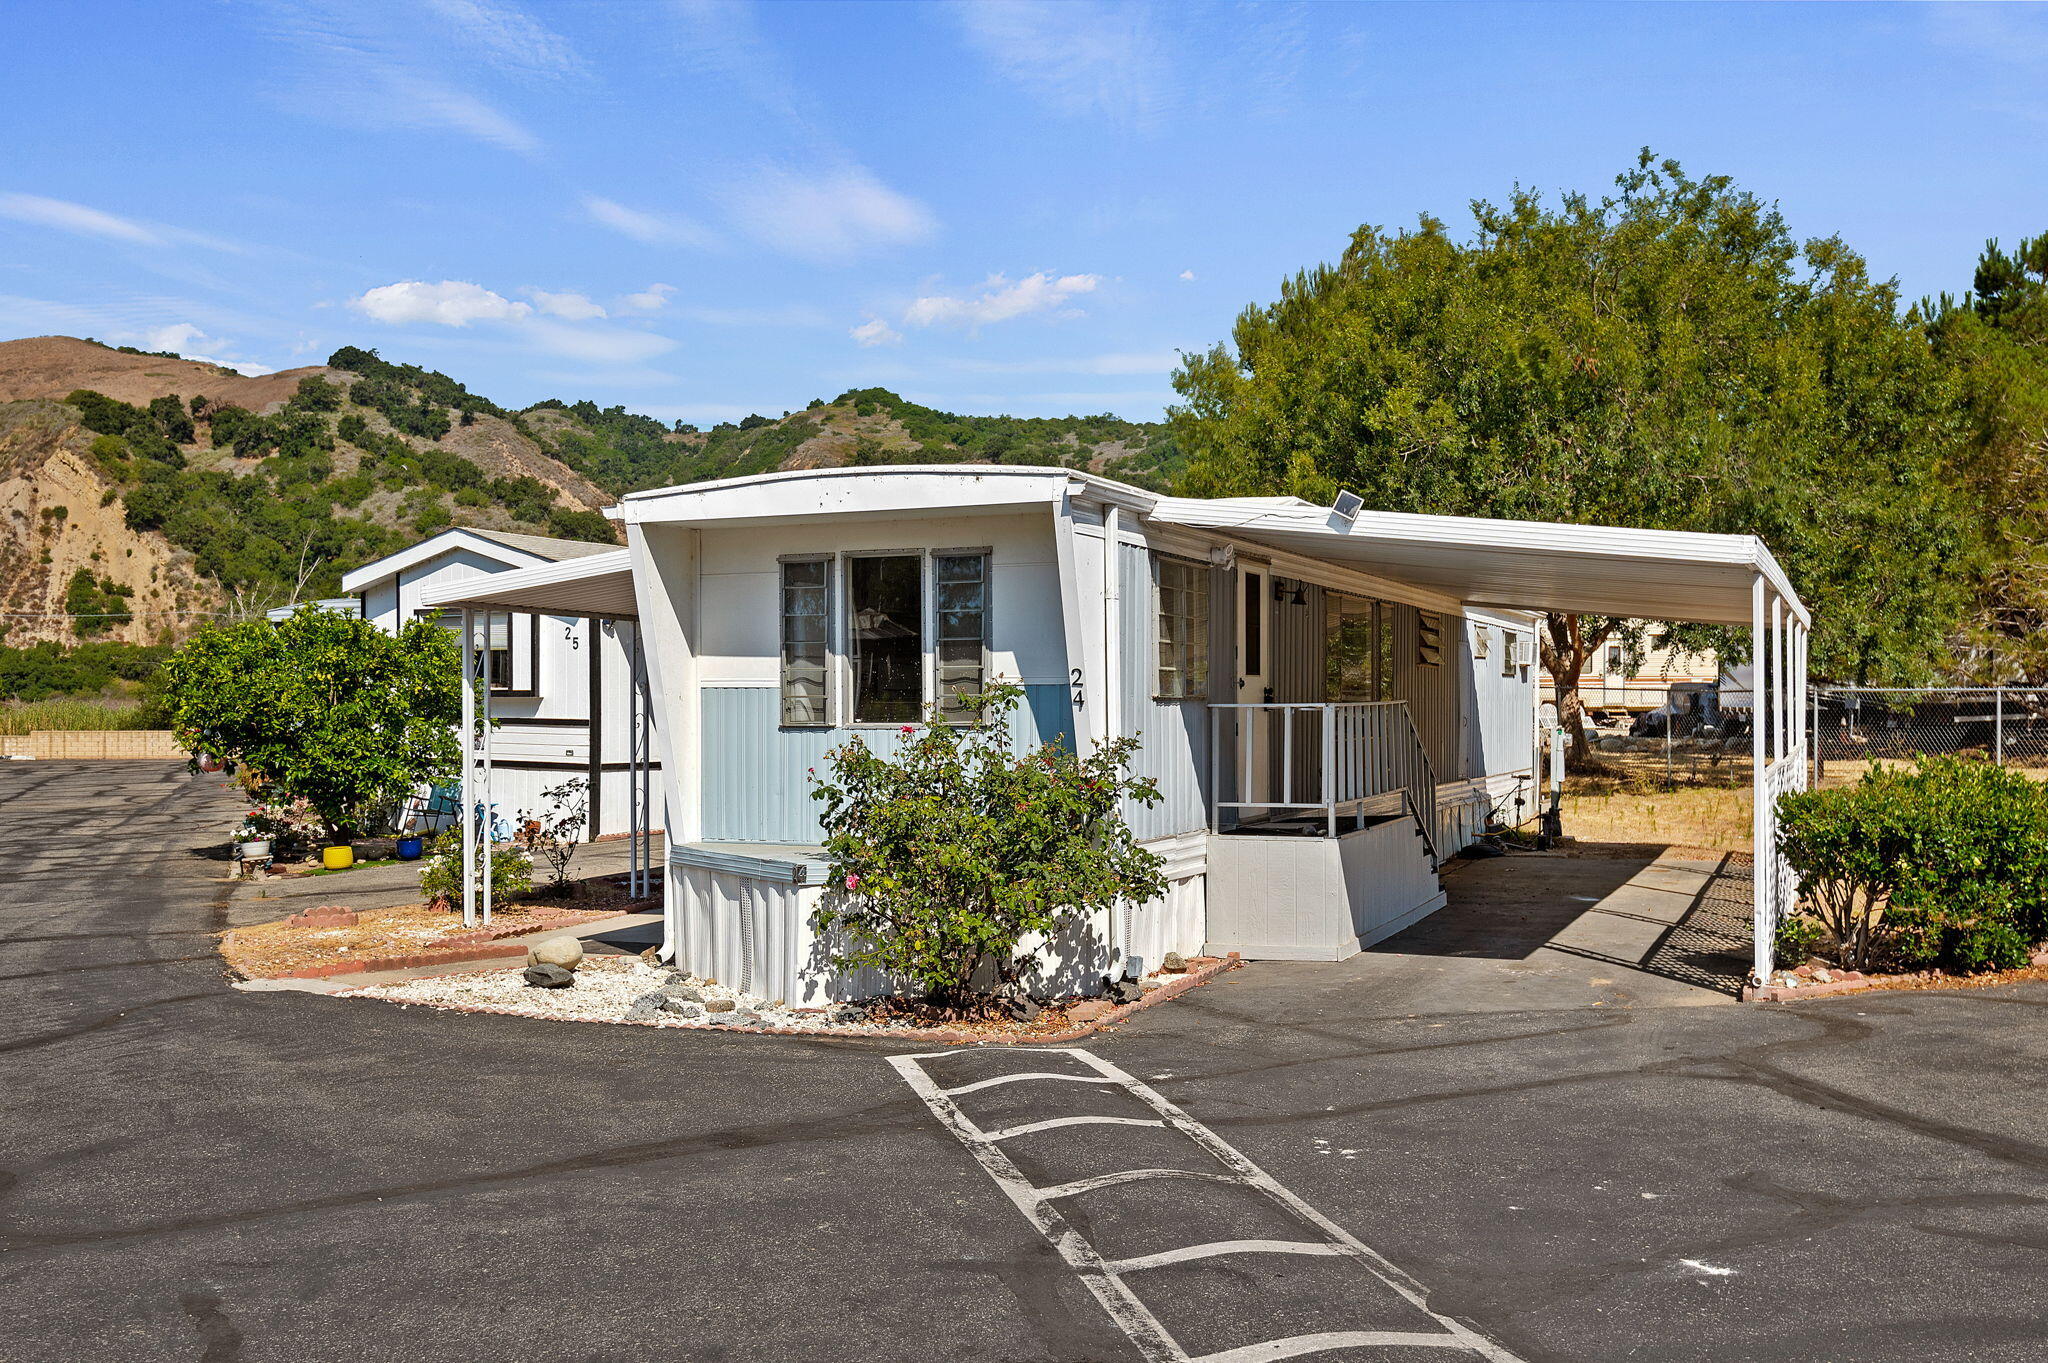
(1257, 749)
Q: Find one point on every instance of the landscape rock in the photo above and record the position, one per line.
(683, 991)
(545, 976)
(647, 1007)
(734, 1017)
(1173, 963)
(1087, 1010)
(1124, 991)
(719, 1005)
(566, 952)
(1025, 1009)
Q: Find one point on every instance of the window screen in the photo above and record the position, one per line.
(1510, 652)
(885, 637)
(1183, 591)
(1349, 653)
(961, 582)
(498, 641)
(1482, 640)
(806, 663)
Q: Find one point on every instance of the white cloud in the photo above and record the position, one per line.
(595, 345)
(653, 298)
(653, 229)
(828, 216)
(1000, 300)
(191, 342)
(65, 216)
(573, 307)
(875, 331)
(511, 39)
(1078, 56)
(450, 303)
(367, 68)
(1188, 276)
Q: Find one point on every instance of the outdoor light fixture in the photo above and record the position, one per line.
(1349, 504)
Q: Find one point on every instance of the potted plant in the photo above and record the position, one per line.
(411, 846)
(252, 839)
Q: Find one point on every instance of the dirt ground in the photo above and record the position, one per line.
(269, 949)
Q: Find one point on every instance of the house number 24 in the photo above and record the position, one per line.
(1078, 699)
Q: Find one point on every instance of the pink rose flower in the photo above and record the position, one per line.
(853, 882)
(910, 728)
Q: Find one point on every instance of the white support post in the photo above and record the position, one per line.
(468, 784)
(1759, 827)
(483, 745)
(1112, 622)
(1780, 672)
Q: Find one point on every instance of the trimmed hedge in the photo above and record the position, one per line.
(1943, 865)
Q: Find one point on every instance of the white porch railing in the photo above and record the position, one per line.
(1284, 761)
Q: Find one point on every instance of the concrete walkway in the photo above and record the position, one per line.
(1552, 930)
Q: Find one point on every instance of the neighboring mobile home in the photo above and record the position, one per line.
(1331, 701)
(561, 684)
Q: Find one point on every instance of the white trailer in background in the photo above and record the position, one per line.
(560, 684)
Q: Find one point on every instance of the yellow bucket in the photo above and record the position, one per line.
(338, 858)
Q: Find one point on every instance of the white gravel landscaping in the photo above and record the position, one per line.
(617, 989)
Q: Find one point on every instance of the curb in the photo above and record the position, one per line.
(467, 948)
(942, 1036)
(1788, 993)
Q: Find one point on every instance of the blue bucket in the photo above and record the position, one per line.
(409, 849)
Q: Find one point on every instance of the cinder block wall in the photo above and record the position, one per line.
(90, 744)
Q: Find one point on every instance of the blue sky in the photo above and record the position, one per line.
(705, 209)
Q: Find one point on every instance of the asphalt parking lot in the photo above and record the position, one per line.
(194, 1172)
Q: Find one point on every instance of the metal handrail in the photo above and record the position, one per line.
(1370, 751)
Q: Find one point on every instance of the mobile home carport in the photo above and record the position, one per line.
(1728, 580)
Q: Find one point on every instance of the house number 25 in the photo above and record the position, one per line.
(1078, 699)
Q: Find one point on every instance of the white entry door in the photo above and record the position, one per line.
(1256, 735)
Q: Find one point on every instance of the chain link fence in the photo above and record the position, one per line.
(1855, 726)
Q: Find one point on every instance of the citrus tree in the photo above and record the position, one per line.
(951, 850)
(324, 707)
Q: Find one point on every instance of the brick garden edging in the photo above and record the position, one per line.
(478, 944)
(942, 1036)
(1855, 982)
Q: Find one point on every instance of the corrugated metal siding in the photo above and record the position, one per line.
(1431, 692)
(1298, 646)
(757, 786)
(1173, 735)
(1500, 709)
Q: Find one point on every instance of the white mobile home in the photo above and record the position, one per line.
(561, 684)
(1331, 701)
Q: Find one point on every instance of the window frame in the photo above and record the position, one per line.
(1201, 645)
(829, 709)
(839, 683)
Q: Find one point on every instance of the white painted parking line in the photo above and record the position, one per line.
(1104, 1278)
(1089, 1185)
(1052, 1122)
(1187, 1254)
(1001, 1079)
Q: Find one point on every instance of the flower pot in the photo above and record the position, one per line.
(410, 849)
(337, 858)
(249, 851)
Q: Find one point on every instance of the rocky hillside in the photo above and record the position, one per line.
(142, 491)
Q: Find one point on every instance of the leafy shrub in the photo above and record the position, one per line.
(441, 872)
(1946, 864)
(948, 852)
(1799, 937)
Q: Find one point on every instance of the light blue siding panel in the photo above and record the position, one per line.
(757, 784)
(1173, 735)
(1500, 709)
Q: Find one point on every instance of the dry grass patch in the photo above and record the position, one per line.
(269, 949)
(1715, 818)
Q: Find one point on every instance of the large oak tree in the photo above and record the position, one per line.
(1664, 356)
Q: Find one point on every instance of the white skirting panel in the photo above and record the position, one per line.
(754, 933)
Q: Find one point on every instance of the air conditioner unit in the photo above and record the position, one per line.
(1525, 652)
